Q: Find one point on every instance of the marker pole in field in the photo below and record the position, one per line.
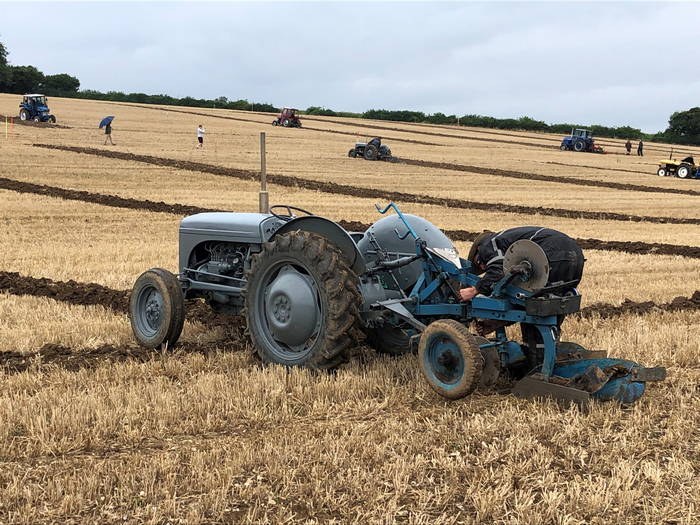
(264, 196)
(6, 127)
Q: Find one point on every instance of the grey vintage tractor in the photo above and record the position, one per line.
(371, 150)
(310, 290)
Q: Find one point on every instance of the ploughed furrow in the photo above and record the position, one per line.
(372, 193)
(429, 133)
(241, 119)
(637, 172)
(634, 247)
(32, 123)
(86, 294)
(550, 178)
(77, 359)
(98, 198)
(90, 293)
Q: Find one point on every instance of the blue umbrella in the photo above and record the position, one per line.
(106, 121)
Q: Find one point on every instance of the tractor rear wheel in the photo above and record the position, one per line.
(371, 152)
(302, 302)
(286, 123)
(24, 115)
(579, 145)
(661, 172)
(388, 340)
(683, 171)
(450, 358)
(157, 309)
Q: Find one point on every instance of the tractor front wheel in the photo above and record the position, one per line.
(52, 119)
(24, 115)
(450, 359)
(275, 123)
(683, 171)
(661, 172)
(563, 147)
(352, 153)
(157, 309)
(302, 302)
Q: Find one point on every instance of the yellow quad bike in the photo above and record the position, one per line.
(684, 169)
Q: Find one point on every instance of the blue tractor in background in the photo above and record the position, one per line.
(34, 107)
(580, 140)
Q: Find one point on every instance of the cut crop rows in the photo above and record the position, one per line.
(372, 193)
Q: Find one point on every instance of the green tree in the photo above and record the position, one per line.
(684, 126)
(3, 55)
(25, 79)
(60, 85)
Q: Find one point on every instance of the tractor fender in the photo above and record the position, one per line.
(331, 231)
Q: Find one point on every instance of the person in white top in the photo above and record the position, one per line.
(200, 136)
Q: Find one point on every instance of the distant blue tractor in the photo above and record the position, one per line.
(580, 140)
(34, 107)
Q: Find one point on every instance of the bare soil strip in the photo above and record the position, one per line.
(550, 178)
(73, 292)
(32, 123)
(372, 193)
(241, 119)
(77, 359)
(90, 293)
(634, 247)
(637, 172)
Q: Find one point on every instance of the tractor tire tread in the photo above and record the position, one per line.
(343, 297)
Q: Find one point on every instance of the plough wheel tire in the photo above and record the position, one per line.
(157, 309)
(450, 359)
(388, 340)
(302, 302)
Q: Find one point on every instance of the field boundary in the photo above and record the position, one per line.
(372, 193)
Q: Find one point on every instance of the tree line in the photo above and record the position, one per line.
(683, 126)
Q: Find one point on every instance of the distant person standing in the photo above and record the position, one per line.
(108, 134)
(640, 148)
(628, 146)
(200, 136)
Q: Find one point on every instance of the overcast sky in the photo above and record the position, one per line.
(605, 63)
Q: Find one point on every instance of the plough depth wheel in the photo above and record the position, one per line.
(450, 359)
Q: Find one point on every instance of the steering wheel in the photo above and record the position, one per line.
(289, 209)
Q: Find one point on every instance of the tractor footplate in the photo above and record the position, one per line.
(535, 387)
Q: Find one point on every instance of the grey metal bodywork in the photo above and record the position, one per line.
(248, 228)
(382, 237)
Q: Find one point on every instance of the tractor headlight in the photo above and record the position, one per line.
(448, 254)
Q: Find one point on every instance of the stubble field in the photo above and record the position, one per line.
(95, 430)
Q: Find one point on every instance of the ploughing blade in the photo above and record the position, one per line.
(531, 387)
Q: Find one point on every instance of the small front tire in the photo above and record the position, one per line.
(661, 172)
(157, 309)
(450, 359)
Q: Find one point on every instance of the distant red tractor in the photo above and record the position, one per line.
(288, 118)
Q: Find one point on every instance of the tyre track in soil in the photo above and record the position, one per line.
(632, 247)
(371, 193)
(498, 172)
(73, 292)
(241, 119)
